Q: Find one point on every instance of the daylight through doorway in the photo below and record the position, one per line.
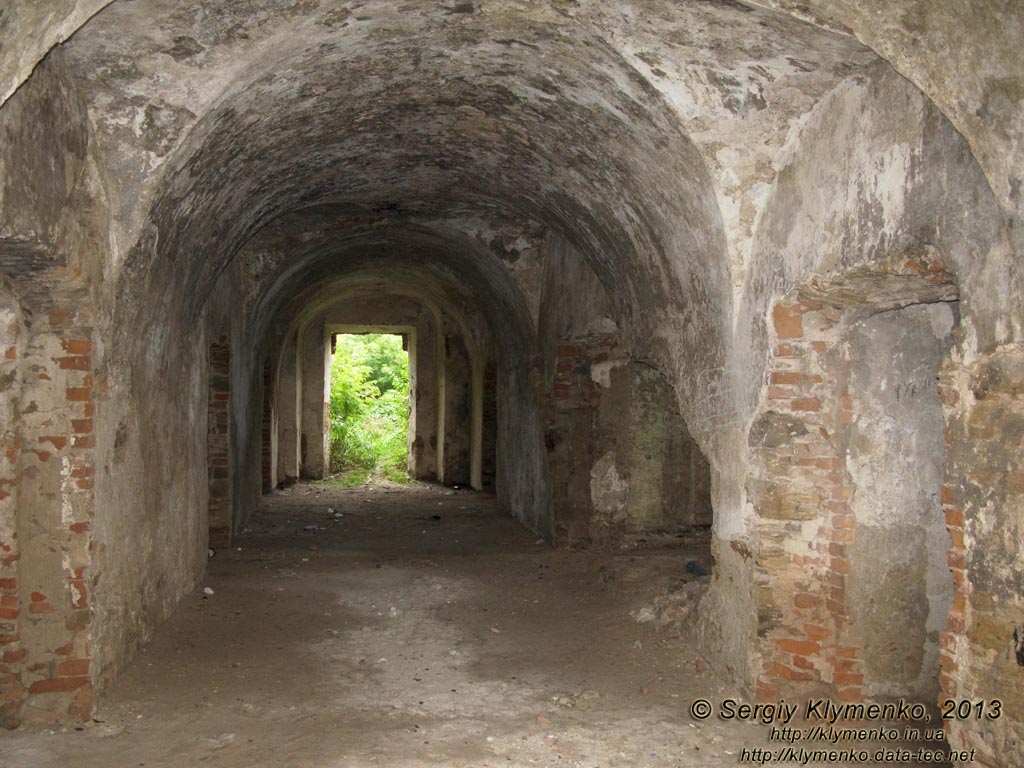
(369, 408)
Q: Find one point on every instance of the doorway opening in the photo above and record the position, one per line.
(369, 409)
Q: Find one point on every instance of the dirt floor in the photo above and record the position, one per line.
(400, 627)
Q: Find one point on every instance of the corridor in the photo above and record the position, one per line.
(406, 627)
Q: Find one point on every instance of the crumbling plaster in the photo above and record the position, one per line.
(680, 149)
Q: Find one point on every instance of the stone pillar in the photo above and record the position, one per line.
(423, 354)
(218, 443)
(288, 406)
(489, 427)
(315, 358)
(476, 422)
(457, 411)
(268, 433)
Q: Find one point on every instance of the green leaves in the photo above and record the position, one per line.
(369, 404)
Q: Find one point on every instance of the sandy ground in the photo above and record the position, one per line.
(408, 627)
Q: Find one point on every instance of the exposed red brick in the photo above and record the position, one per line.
(806, 404)
(788, 673)
(77, 346)
(805, 601)
(801, 647)
(75, 363)
(58, 684)
(788, 321)
(793, 377)
(73, 667)
(81, 426)
(848, 678)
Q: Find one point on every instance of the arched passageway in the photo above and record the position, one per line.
(730, 287)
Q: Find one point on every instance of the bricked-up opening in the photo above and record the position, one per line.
(896, 459)
(851, 521)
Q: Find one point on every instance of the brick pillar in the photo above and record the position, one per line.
(218, 443)
(55, 511)
(12, 654)
(802, 497)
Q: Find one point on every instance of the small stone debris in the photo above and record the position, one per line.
(207, 592)
(696, 569)
(570, 700)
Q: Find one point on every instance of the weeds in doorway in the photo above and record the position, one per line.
(369, 408)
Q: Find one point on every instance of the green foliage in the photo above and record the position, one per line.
(369, 405)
